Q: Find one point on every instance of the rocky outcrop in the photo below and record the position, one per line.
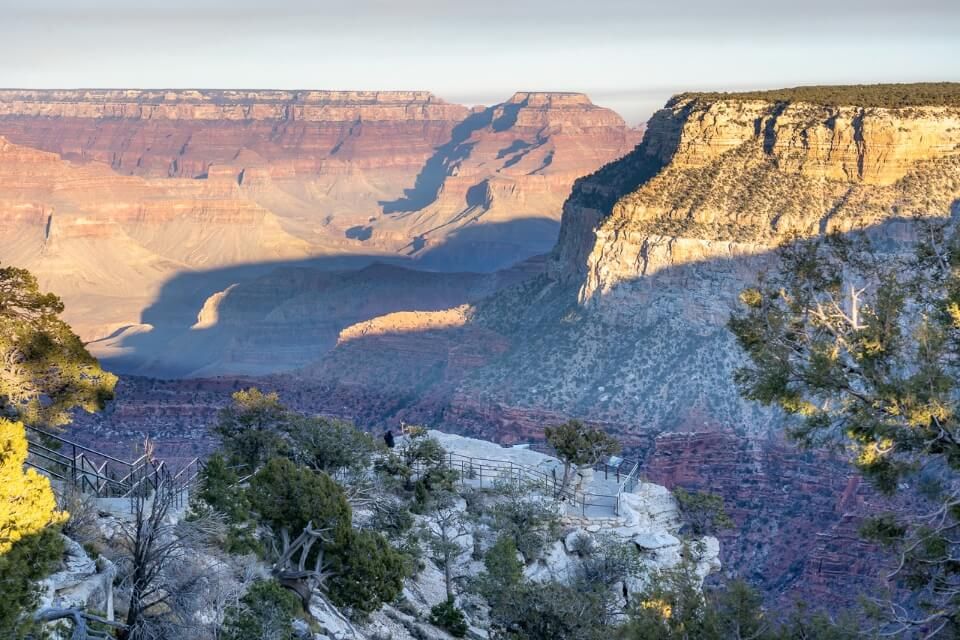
(80, 583)
(655, 248)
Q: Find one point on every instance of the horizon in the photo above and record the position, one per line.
(629, 56)
(447, 100)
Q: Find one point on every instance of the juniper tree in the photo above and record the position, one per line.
(45, 373)
(862, 349)
(45, 370)
(578, 445)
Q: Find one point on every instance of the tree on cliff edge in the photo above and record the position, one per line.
(578, 445)
(45, 370)
(863, 350)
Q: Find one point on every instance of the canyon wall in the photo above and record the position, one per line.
(373, 172)
(625, 323)
(627, 326)
(144, 208)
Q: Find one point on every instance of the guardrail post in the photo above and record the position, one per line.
(73, 465)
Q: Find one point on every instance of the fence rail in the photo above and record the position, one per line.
(476, 471)
(102, 475)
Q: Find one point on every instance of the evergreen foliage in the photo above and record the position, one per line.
(860, 349)
(46, 372)
(503, 569)
(367, 572)
(673, 607)
(285, 496)
(30, 543)
(702, 512)
(578, 445)
(31, 558)
(265, 612)
(251, 428)
(891, 96)
(331, 446)
(360, 569)
(447, 616)
(525, 516)
(218, 491)
(27, 503)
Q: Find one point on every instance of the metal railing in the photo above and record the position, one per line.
(100, 474)
(626, 472)
(478, 471)
(628, 483)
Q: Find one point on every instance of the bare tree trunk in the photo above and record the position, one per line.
(567, 475)
(79, 619)
(447, 577)
(291, 568)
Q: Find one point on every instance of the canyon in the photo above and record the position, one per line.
(147, 210)
(622, 322)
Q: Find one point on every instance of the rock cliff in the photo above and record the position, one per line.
(140, 206)
(627, 325)
(370, 172)
(655, 248)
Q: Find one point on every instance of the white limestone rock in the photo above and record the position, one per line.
(655, 540)
(334, 624)
(555, 564)
(82, 582)
(578, 539)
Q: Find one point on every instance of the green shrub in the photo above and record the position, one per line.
(28, 560)
(286, 496)
(702, 512)
(367, 572)
(447, 616)
(265, 611)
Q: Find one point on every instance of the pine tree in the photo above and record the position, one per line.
(29, 541)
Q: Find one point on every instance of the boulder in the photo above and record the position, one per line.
(655, 540)
(82, 582)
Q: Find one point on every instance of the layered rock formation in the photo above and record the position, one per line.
(107, 243)
(143, 208)
(627, 327)
(364, 171)
(648, 277)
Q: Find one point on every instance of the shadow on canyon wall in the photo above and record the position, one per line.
(797, 513)
(485, 248)
(278, 316)
(427, 186)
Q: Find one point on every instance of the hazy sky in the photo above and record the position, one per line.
(627, 54)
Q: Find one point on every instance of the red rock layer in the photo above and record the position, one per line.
(183, 133)
(797, 514)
